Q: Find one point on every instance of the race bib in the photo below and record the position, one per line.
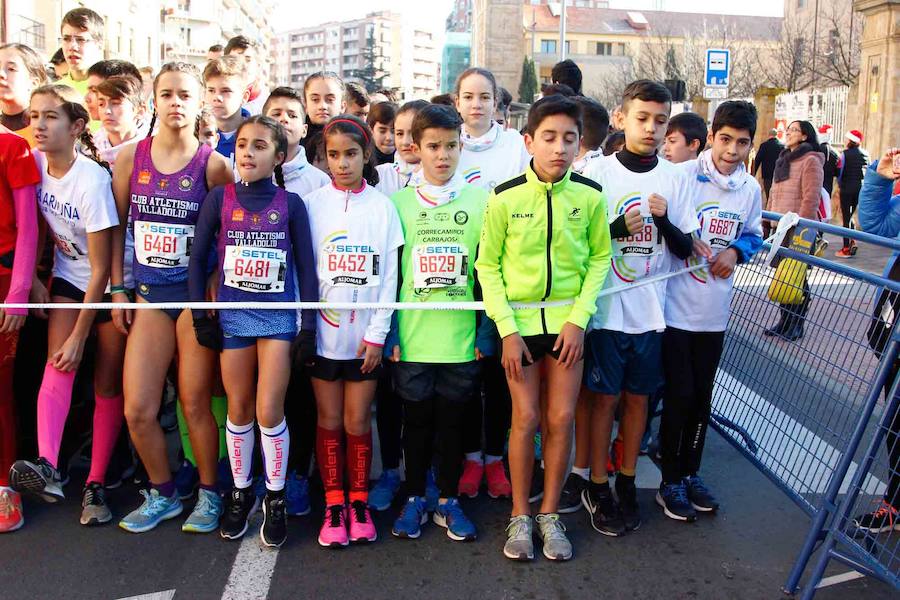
(440, 265)
(67, 247)
(349, 265)
(646, 242)
(252, 269)
(720, 228)
(162, 245)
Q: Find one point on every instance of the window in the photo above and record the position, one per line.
(570, 47)
(548, 47)
(604, 48)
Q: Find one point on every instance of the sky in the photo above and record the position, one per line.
(433, 13)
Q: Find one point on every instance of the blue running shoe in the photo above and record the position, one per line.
(673, 499)
(223, 477)
(152, 512)
(296, 493)
(432, 493)
(382, 495)
(451, 516)
(186, 480)
(412, 517)
(205, 516)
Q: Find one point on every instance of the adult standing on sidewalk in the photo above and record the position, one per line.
(766, 157)
(851, 169)
(797, 187)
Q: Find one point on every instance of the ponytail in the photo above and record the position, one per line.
(279, 176)
(87, 141)
(152, 123)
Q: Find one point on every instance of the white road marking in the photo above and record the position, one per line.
(840, 578)
(253, 567)
(166, 595)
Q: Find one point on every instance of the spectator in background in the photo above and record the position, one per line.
(357, 99)
(215, 51)
(245, 48)
(851, 169)
(445, 99)
(614, 142)
(567, 73)
(558, 88)
(831, 158)
(768, 153)
(60, 66)
(147, 76)
(501, 111)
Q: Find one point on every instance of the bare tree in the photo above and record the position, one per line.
(836, 59)
(787, 64)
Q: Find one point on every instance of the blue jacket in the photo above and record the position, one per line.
(879, 213)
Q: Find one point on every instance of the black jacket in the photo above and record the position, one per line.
(831, 166)
(768, 153)
(853, 167)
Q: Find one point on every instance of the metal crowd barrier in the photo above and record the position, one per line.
(799, 410)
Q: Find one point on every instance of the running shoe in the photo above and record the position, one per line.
(94, 510)
(382, 495)
(450, 516)
(274, 526)
(432, 493)
(497, 483)
(11, 517)
(296, 495)
(673, 498)
(537, 483)
(412, 517)
(361, 528)
(882, 519)
(206, 514)
(553, 533)
(39, 478)
(701, 498)
(470, 481)
(187, 479)
(603, 509)
(155, 509)
(519, 544)
(570, 499)
(843, 253)
(239, 505)
(626, 492)
(333, 533)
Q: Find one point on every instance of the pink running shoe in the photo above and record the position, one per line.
(334, 528)
(362, 529)
(470, 481)
(497, 483)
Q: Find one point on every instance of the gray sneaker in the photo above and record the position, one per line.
(205, 516)
(519, 545)
(94, 510)
(553, 534)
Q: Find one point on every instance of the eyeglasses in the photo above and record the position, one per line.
(793, 130)
(75, 40)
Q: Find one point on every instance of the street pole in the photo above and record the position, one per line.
(562, 31)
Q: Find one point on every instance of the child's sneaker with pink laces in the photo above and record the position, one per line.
(470, 481)
(362, 529)
(497, 483)
(334, 528)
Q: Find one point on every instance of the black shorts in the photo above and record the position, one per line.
(61, 287)
(540, 346)
(341, 370)
(456, 382)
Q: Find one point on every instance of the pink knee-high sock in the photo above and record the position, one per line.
(108, 416)
(54, 400)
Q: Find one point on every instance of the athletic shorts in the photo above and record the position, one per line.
(341, 370)
(236, 342)
(540, 346)
(619, 361)
(153, 293)
(61, 287)
(456, 382)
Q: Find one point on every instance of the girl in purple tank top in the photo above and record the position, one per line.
(161, 183)
(264, 250)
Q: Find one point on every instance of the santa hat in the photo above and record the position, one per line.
(855, 136)
(825, 133)
(826, 128)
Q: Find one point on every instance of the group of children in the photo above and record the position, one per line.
(216, 189)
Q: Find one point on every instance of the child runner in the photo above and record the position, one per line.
(207, 133)
(76, 201)
(226, 90)
(160, 184)
(261, 236)
(356, 236)
(381, 122)
(543, 239)
(651, 219)
(120, 106)
(97, 74)
(21, 70)
(323, 93)
(285, 105)
(81, 36)
(685, 137)
(405, 169)
(18, 255)
(441, 219)
(357, 100)
(728, 203)
(244, 48)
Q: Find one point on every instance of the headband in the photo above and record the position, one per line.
(354, 123)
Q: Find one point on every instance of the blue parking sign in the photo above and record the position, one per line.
(718, 62)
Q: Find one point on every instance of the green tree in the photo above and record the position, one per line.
(370, 75)
(528, 86)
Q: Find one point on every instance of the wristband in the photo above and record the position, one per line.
(117, 289)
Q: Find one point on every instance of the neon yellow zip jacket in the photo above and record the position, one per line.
(543, 241)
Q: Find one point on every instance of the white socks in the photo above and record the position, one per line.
(474, 457)
(275, 444)
(239, 440)
(490, 459)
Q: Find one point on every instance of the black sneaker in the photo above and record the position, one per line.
(94, 510)
(701, 498)
(673, 498)
(239, 505)
(626, 492)
(537, 483)
(570, 499)
(274, 526)
(600, 504)
(39, 478)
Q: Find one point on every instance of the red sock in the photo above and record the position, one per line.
(330, 457)
(359, 464)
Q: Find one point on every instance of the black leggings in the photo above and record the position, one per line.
(423, 421)
(300, 413)
(389, 417)
(490, 407)
(690, 360)
(849, 202)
